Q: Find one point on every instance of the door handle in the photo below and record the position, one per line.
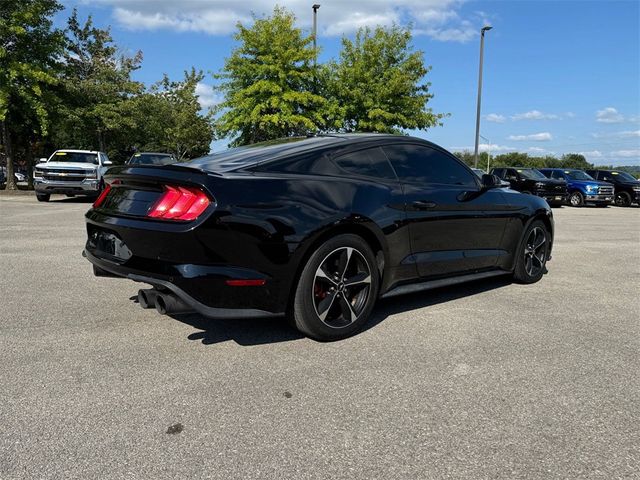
(423, 204)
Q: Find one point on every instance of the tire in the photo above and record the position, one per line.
(576, 199)
(326, 308)
(531, 262)
(43, 197)
(623, 199)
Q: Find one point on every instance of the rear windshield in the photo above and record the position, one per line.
(77, 157)
(531, 174)
(151, 159)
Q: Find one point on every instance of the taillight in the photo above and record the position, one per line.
(100, 200)
(179, 203)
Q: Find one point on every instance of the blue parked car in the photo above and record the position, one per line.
(582, 187)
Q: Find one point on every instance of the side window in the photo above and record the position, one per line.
(557, 175)
(371, 162)
(511, 173)
(499, 172)
(417, 163)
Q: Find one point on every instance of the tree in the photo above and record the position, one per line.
(268, 83)
(28, 61)
(97, 111)
(575, 160)
(170, 118)
(379, 82)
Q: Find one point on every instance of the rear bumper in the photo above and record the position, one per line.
(85, 187)
(172, 282)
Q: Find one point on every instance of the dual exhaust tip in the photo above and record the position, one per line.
(164, 302)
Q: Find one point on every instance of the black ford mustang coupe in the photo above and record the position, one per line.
(315, 228)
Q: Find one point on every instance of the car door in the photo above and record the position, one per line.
(384, 206)
(450, 231)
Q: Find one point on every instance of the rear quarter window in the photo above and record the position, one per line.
(370, 162)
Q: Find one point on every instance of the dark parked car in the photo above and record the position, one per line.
(318, 228)
(626, 186)
(582, 187)
(531, 181)
(151, 158)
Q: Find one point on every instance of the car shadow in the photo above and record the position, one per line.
(78, 199)
(260, 331)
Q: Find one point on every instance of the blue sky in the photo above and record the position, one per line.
(560, 76)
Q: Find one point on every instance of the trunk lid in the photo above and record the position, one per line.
(135, 189)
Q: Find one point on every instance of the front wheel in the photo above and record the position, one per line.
(576, 199)
(623, 199)
(337, 289)
(532, 254)
(43, 197)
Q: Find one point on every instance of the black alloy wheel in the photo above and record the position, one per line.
(623, 199)
(337, 289)
(341, 287)
(533, 253)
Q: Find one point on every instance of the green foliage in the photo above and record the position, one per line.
(268, 83)
(29, 46)
(378, 80)
(97, 110)
(169, 119)
(519, 159)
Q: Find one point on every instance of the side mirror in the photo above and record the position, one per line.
(42, 160)
(107, 163)
(491, 181)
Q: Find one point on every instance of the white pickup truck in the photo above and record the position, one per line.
(70, 172)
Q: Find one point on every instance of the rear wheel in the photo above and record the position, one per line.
(623, 199)
(576, 199)
(337, 289)
(43, 197)
(532, 254)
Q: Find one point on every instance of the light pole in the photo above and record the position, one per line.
(315, 7)
(475, 153)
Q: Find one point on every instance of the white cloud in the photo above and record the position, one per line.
(609, 115)
(439, 19)
(492, 147)
(627, 153)
(537, 150)
(207, 96)
(486, 147)
(213, 21)
(495, 117)
(536, 137)
(625, 134)
(569, 114)
(535, 115)
(593, 154)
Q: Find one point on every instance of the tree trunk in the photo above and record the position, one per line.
(6, 139)
(101, 142)
(29, 157)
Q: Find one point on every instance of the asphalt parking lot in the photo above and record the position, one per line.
(486, 380)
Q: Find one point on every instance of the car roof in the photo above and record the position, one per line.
(240, 157)
(153, 153)
(71, 150)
